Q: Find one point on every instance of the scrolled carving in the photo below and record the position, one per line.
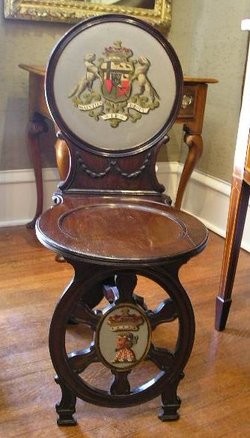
(57, 199)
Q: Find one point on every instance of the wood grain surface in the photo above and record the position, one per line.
(215, 392)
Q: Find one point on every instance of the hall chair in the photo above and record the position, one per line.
(114, 88)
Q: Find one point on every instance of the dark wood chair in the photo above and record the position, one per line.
(238, 204)
(114, 87)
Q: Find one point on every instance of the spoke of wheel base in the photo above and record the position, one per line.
(161, 357)
(120, 384)
(165, 312)
(83, 314)
(126, 283)
(80, 360)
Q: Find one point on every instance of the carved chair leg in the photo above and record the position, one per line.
(66, 408)
(170, 402)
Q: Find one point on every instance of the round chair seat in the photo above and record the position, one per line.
(127, 230)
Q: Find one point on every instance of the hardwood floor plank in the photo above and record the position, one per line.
(215, 391)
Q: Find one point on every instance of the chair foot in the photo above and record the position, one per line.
(222, 311)
(65, 419)
(66, 408)
(170, 402)
(169, 411)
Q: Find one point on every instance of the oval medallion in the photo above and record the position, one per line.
(123, 337)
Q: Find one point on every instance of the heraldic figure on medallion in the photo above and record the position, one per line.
(115, 88)
(124, 324)
(124, 344)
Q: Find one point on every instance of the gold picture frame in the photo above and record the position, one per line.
(156, 12)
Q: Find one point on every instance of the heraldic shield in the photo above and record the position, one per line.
(117, 73)
(116, 88)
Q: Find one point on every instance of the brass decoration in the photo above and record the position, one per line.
(71, 11)
(186, 101)
(115, 88)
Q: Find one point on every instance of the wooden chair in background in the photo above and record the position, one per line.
(114, 88)
(238, 203)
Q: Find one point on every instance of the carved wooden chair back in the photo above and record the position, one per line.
(114, 87)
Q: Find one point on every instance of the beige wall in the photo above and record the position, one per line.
(29, 43)
(207, 37)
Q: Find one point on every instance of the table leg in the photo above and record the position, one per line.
(36, 127)
(195, 146)
(235, 225)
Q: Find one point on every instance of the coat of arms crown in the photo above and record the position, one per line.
(117, 51)
(125, 321)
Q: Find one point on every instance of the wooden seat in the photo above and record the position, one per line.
(114, 87)
(143, 231)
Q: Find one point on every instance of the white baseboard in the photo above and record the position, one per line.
(18, 194)
(206, 197)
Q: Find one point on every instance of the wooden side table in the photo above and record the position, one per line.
(238, 204)
(191, 116)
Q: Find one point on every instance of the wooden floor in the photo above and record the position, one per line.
(215, 391)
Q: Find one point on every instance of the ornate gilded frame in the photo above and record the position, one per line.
(72, 11)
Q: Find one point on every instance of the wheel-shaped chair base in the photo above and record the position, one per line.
(117, 331)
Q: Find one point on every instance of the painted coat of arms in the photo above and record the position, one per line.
(116, 88)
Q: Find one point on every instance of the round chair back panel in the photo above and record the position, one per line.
(114, 84)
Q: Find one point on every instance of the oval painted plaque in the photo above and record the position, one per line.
(123, 337)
